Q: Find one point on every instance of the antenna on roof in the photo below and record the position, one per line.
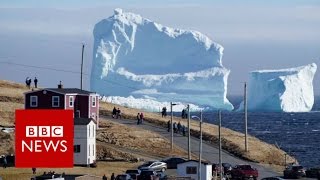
(60, 86)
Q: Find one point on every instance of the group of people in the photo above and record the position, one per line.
(140, 118)
(184, 114)
(177, 127)
(116, 113)
(28, 82)
(113, 177)
(164, 112)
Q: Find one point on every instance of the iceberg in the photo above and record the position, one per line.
(134, 57)
(284, 90)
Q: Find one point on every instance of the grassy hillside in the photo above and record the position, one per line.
(11, 98)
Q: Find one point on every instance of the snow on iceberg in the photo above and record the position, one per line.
(286, 90)
(149, 104)
(133, 56)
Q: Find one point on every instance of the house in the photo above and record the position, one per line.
(84, 142)
(85, 105)
(190, 169)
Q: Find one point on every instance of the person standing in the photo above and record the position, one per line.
(112, 177)
(34, 170)
(168, 125)
(179, 127)
(138, 118)
(114, 112)
(141, 117)
(35, 82)
(183, 130)
(104, 177)
(5, 162)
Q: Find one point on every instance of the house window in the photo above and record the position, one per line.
(33, 101)
(55, 101)
(89, 149)
(94, 99)
(71, 101)
(191, 170)
(89, 131)
(92, 149)
(76, 148)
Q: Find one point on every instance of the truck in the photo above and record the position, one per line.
(244, 172)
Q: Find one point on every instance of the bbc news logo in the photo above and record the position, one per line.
(44, 138)
(44, 131)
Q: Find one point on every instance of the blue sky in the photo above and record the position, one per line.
(255, 34)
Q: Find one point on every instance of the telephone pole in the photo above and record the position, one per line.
(81, 67)
(189, 144)
(245, 117)
(220, 148)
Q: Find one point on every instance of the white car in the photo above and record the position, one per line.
(154, 165)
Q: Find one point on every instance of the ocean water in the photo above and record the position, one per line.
(296, 133)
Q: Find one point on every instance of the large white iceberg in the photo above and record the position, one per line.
(285, 90)
(135, 57)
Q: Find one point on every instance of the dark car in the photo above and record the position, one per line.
(294, 171)
(313, 172)
(272, 178)
(226, 168)
(173, 162)
(147, 175)
(133, 173)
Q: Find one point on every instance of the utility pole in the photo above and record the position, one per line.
(81, 66)
(171, 129)
(200, 146)
(220, 148)
(189, 144)
(245, 117)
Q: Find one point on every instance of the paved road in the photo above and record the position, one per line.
(209, 152)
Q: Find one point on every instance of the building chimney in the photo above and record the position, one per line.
(60, 86)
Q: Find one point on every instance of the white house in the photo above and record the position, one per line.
(190, 169)
(84, 141)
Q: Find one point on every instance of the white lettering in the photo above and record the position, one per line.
(64, 146)
(57, 131)
(24, 144)
(31, 131)
(37, 146)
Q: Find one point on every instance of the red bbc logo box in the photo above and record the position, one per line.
(44, 138)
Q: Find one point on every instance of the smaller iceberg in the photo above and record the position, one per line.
(284, 90)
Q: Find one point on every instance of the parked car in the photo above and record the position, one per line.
(173, 162)
(123, 177)
(294, 171)
(244, 172)
(313, 172)
(226, 168)
(154, 165)
(272, 178)
(148, 175)
(133, 173)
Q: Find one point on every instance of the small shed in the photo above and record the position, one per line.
(190, 169)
